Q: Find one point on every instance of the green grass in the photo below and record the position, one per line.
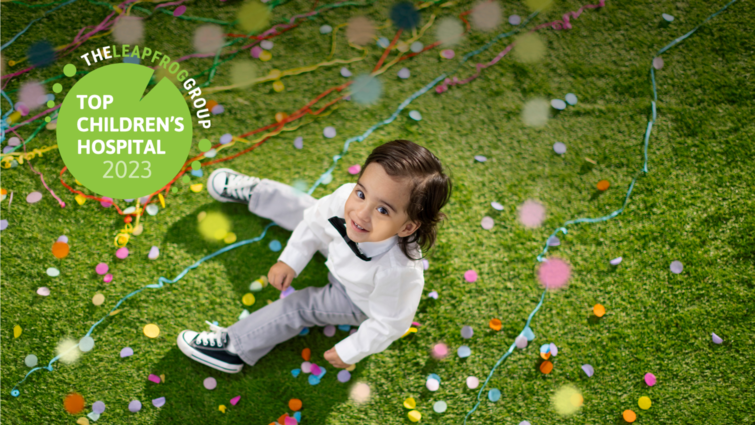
(695, 205)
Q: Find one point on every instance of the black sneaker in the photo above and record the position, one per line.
(209, 348)
(226, 185)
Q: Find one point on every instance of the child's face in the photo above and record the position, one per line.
(378, 205)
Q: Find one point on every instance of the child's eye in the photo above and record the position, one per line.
(383, 210)
(360, 194)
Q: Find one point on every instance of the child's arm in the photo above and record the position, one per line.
(392, 306)
(309, 235)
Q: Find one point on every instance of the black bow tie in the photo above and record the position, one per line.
(340, 225)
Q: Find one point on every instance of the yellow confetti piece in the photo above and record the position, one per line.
(98, 299)
(83, 421)
(410, 403)
(222, 408)
(264, 281)
(351, 367)
(196, 188)
(162, 378)
(278, 86)
(162, 199)
(15, 116)
(274, 74)
(151, 331)
(264, 57)
(415, 416)
(248, 299)
(230, 238)
(644, 403)
(17, 331)
(115, 312)
(80, 199)
(411, 330)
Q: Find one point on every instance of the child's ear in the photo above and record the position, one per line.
(408, 229)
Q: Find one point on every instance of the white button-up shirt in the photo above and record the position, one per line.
(387, 288)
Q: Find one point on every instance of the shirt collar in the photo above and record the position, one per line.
(373, 249)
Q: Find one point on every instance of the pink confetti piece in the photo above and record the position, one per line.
(34, 197)
(43, 291)
(108, 278)
(440, 350)
(531, 213)
(355, 169)
(154, 378)
(650, 379)
(470, 276)
(106, 202)
(235, 400)
(122, 253)
(314, 369)
(180, 10)
(554, 273)
(101, 268)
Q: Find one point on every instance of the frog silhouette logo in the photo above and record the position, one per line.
(118, 143)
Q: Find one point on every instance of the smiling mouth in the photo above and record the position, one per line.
(357, 227)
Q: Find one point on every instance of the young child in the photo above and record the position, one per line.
(371, 232)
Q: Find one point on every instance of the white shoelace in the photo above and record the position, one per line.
(214, 338)
(240, 186)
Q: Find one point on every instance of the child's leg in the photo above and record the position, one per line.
(258, 333)
(280, 203)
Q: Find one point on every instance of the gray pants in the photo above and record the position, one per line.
(258, 333)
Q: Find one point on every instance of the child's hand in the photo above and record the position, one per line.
(281, 275)
(332, 356)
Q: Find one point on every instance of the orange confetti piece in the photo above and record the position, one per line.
(546, 367)
(74, 403)
(629, 416)
(603, 185)
(495, 324)
(306, 354)
(294, 404)
(599, 310)
(60, 250)
(282, 419)
(211, 104)
(280, 116)
(545, 356)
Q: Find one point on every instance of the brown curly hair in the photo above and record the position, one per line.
(431, 188)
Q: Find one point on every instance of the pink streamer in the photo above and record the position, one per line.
(556, 25)
(175, 3)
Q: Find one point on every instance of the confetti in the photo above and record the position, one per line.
(415, 416)
(98, 407)
(98, 299)
(559, 148)
(603, 185)
(480, 158)
(30, 360)
(404, 73)
(433, 295)
(306, 367)
(151, 330)
(467, 332)
(329, 132)
(495, 324)
(360, 30)
(74, 403)
(253, 16)
(629, 416)
(558, 104)
(43, 291)
(82, 421)
(159, 402)
(3, 224)
(470, 276)
(235, 400)
(179, 11)
(53, 272)
(589, 370)
(266, 44)
(486, 15)
(355, 169)
(86, 344)
(554, 241)
(32, 95)
(326, 29)
(515, 19)
(554, 273)
(314, 369)
(222, 408)
(536, 112)
(650, 379)
(440, 406)
(473, 382)
(676, 267)
(553, 349)
(529, 48)
(716, 339)
(101, 268)
(439, 351)
(447, 54)
(34, 197)
(122, 253)
(108, 278)
(521, 342)
(449, 31)
(567, 400)
(295, 372)
(599, 310)
(135, 406)
(415, 115)
(571, 98)
(128, 30)
(154, 378)
(527, 333)
(416, 47)
(208, 38)
(248, 299)
(127, 352)
(667, 17)
(154, 252)
(546, 367)
(616, 261)
(432, 385)
(487, 223)
(464, 351)
(644, 403)
(329, 331)
(344, 376)
(494, 395)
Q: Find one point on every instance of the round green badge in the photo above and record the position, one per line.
(118, 143)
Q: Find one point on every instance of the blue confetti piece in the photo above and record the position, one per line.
(197, 173)
(383, 42)
(322, 373)
(296, 372)
(545, 348)
(344, 328)
(94, 416)
(494, 395)
(434, 376)
(304, 331)
(132, 59)
(297, 416)
(464, 351)
(313, 380)
(275, 246)
(527, 333)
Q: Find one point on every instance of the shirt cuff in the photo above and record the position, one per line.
(296, 260)
(348, 352)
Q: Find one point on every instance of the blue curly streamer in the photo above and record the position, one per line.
(562, 229)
